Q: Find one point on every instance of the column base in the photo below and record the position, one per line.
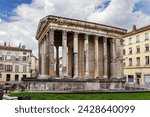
(96, 77)
(105, 77)
(64, 77)
(86, 77)
(112, 77)
(75, 77)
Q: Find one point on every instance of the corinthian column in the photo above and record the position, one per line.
(75, 51)
(96, 57)
(64, 54)
(86, 56)
(57, 61)
(112, 57)
(105, 58)
(51, 52)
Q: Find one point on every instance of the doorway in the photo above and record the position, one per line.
(138, 77)
(7, 77)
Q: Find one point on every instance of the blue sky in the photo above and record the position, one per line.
(144, 6)
(7, 6)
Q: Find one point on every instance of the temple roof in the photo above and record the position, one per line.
(44, 22)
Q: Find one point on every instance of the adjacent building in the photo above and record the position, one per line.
(137, 55)
(34, 66)
(14, 63)
(89, 50)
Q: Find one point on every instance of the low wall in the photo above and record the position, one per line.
(67, 85)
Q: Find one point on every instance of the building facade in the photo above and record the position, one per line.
(89, 50)
(14, 63)
(137, 55)
(34, 66)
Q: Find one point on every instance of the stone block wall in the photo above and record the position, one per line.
(118, 60)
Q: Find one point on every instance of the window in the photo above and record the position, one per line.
(24, 76)
(130, 78)
(24, 58)
(147, 47)
(16, 56)
(130, 61)
(147, 79)
(137, 39)
(7, 77)
(24, 53)
(137, 60)
(8, 52)
(8, 68)
(1, 55)
(124, 64)
(137, 49)
(146, 36)
(130, 41)
(124, 43)
(124, 52)
(1, 67)
(16, 68)
(130, 50)
(8, 57)
(147, 60)
(16, 77)
(24, 68)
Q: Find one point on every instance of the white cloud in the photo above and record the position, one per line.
(120, 13)
(23, 26)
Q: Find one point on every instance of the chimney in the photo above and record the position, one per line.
(23, 47)
(5, 44)
(19, 45)
(134, 28)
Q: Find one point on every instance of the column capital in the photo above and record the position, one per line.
(113, 40)
(57, 46)
(75, 34)
(51, 29)
(86, 36)
(96, 37)
(105, 39)
(64, 31)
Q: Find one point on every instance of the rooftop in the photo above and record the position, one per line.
(8, 47)
(135, 31)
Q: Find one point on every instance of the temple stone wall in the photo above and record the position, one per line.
(74, 86)
(118, 60)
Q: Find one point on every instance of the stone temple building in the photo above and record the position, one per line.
(89, 50)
